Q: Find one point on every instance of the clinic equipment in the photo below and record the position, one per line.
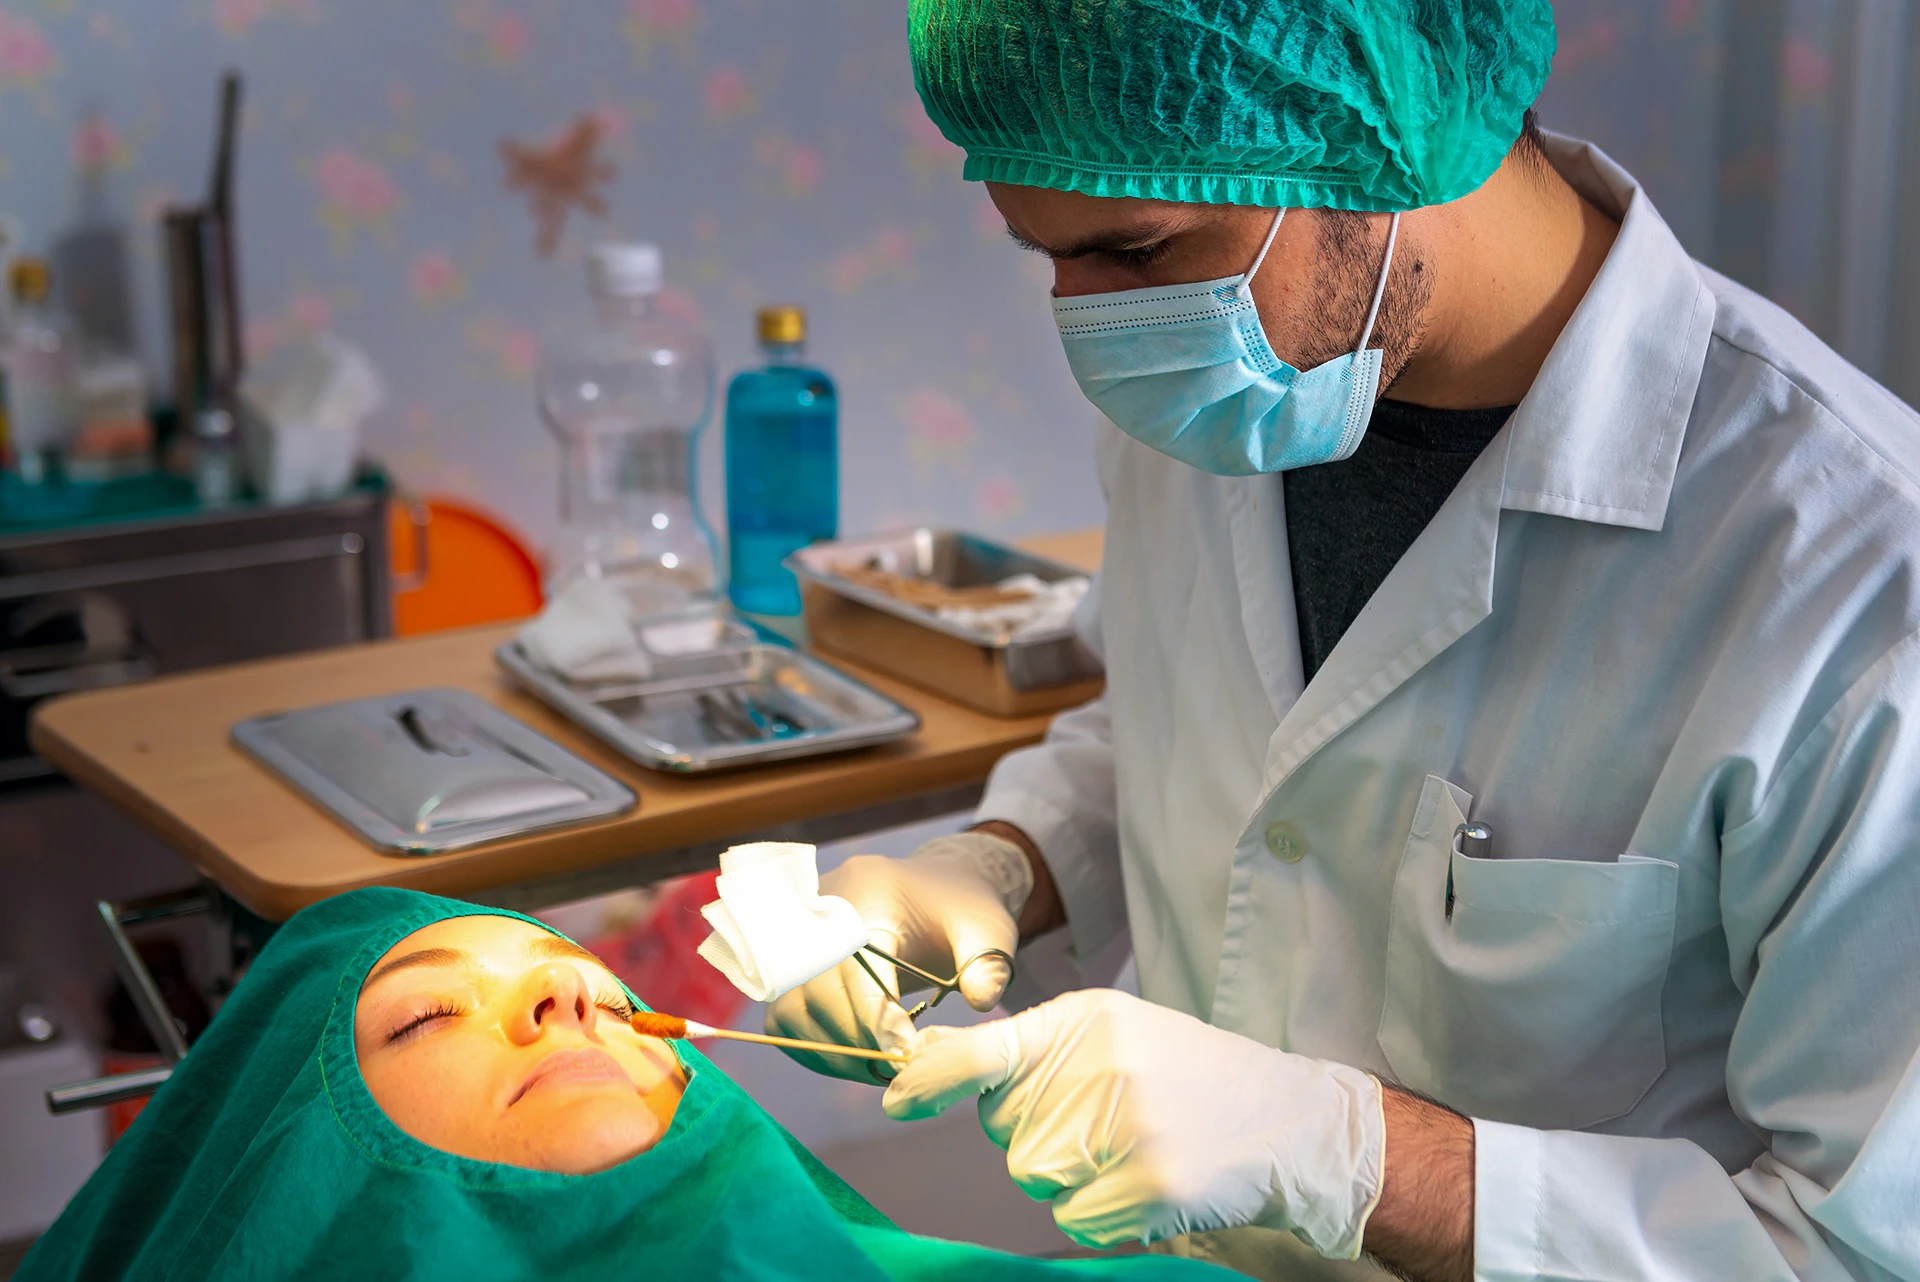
(735, 701)
(1008, 675)
(626, 397)
(426, 771)
(204, 318)
(650, 1023)
(1303, 104)
(38, 363)
(783, 465)
(1187, 370)
(942, 988)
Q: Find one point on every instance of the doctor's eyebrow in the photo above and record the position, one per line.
(1122, 240)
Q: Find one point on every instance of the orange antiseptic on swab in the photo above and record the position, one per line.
(653, 1023)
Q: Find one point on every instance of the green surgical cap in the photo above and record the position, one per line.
(1375, 105)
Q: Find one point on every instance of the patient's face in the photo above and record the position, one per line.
(489, 1038)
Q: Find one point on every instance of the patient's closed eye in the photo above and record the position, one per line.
(419, 1022)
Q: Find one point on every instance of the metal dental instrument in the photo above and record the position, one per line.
(941, 987)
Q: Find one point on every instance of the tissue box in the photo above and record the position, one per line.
(305, 404)
(298, 464)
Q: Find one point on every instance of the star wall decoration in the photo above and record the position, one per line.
(565, 173)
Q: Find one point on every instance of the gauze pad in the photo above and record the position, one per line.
(772, 928)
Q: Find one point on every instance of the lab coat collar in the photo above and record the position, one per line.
(1597, 438)
(1598, 435)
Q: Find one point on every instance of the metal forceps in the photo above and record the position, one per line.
(941, 987)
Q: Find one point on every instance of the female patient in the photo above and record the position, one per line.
(406, 1086)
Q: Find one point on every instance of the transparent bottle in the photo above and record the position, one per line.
(626, 397)
(783, 465)
(38, 360)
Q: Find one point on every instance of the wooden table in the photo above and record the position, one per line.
(160, 752)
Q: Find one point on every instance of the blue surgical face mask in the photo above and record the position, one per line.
(1187, 370)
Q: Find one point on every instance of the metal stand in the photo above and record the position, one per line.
(166, 1031)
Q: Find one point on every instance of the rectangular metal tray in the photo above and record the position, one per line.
(427, 771)
(1039, 672)
(736, 706)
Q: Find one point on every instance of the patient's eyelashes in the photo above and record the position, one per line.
(420, 1021)
(619, 1007)
(615, 1004)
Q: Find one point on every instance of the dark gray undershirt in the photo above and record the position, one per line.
(1349, 522)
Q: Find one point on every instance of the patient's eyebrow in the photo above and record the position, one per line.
(423, 957)
(556, 946)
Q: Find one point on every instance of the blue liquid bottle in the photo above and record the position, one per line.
(783, 465)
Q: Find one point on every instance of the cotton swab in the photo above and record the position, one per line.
(652, 1023)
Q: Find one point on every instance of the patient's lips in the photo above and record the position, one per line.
(579, 1066)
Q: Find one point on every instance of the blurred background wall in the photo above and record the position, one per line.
(776, 150)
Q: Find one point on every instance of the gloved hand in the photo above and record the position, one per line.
(936, 909)
(1140, 1123)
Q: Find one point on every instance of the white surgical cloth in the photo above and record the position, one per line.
(585, 634)
(772, 928)
(1664, 639)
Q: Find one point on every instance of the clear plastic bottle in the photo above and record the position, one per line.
(783, 465)
(626, 397)
(38, 358)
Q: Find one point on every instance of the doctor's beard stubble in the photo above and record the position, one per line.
(1348, 255)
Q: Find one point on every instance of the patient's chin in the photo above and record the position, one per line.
(593, 1133)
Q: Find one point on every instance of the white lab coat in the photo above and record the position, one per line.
(1665, 639)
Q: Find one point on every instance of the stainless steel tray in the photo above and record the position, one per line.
(1036, 672)
(426, 771)
(737, 706)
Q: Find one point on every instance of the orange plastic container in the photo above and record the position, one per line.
(477, 569)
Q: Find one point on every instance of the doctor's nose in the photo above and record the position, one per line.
(551, 998)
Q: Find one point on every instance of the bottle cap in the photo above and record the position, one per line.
(783, 323)
(32, 279)
(624, 269)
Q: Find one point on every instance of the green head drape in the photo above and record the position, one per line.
(266, 1158)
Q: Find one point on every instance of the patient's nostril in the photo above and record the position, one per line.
(545, 1005)
(580, 1009)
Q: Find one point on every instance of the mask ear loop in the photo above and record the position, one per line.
(1246, 281)
(1380, 286)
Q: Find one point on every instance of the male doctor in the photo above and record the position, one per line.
(1446, 490)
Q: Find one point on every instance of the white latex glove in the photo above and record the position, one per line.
(942, 905)
(1140, 1123)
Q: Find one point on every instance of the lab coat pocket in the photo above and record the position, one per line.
(1536, 999)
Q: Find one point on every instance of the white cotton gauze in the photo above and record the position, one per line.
(772, 928)
(586, 634)
(1049, 607)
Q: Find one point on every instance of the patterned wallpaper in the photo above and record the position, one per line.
(776, 150)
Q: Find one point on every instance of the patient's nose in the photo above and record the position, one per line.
(551, 997)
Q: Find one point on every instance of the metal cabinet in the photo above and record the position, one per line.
(97, 605)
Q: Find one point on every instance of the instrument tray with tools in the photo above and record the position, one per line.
(733, 706)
